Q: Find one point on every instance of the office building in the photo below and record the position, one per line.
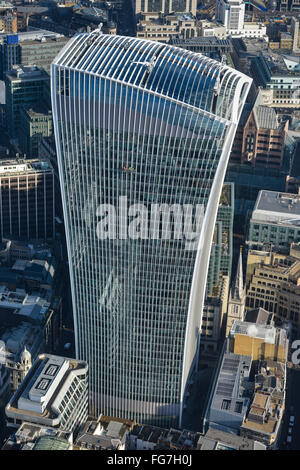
(35, 123)
(221, 250)
(248, 181)
(214, 439)
(31, 436)
(146, 295)
(229, 400)
(8, 21)
(261, 342)
(295, 34)
(278, 78)
(104, 433)
(25, 86)
(231, 14)
(248, 393)
(150, 6)
(54, 393)
(145, 437)
(275, 220)
(210, 46)
(260, 138)
(37, 47)
(213, 319)
(273, 284)
(161, 28)
(27, 205)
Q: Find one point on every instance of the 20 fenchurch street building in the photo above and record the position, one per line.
(140, 123)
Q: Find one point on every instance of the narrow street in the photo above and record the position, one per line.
(292, 400)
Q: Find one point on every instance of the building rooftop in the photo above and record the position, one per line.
(20, 167)
(28, 434)
(201, 41)
(152, 68)
(104, 433)
(265, 332)
(277, 207)
(265, 117)
(229, 394)
(44, 382)
(35, 35)
(216, 439)
(51, 443)
(24, 73)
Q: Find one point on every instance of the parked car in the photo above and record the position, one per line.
(289, 439)
(290, 430)
(292, 420)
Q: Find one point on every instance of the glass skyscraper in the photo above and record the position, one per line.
(145, 123)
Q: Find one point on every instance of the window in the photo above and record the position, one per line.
(225, 404)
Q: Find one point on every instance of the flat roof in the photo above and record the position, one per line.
(16, 167)
(42, 384)
(277, 207)
(265, 332)
(229, 386)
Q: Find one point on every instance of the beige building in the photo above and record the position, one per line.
(160, 27)
(273, 283)
(208, 28)
(267, 408)
(8, 22)
(295, 34)
(261, 342)
(145, 6)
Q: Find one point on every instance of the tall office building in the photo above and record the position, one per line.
(231, 14)
(154, 124)
(25, 86)
(27, 199)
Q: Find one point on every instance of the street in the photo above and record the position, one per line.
(292, 400)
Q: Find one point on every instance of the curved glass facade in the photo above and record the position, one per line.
(154, 124)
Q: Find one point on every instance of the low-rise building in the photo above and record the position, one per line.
(36, 123)
(266, 411)
(105, 433)
(54, 393)
(248, 393)
(273, 280)
(210, 46)
(31, 436)
(161, 28)
(145, 437)
(214, 439)
(278, 78)
(275, 219)
(231, 393)
(260, 342)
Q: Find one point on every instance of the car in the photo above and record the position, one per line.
(289, 439)
(292, 420)
(290, 430)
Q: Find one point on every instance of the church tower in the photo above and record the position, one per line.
(237, 297)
